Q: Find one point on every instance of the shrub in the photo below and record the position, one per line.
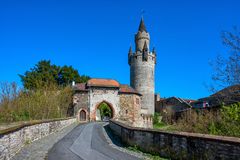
(157, 121)
(224, 121)
(156, 118)
(22, 105)
(105, 110)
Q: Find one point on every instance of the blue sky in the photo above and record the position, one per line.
(94, 36)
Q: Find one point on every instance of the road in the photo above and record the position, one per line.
(86, 142)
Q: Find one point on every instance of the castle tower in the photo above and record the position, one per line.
(142, 69)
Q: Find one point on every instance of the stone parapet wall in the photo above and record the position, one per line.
(178, 145)
(146, 121)
(13, 139)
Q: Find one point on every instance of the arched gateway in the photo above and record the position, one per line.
(104, 111)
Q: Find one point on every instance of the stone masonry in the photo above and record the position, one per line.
(129, 109)
(13, 140)
(107, 95)
(179, 145)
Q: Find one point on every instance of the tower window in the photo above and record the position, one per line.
(126, 111)
(137, 100)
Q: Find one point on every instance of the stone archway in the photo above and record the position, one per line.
(97, 116)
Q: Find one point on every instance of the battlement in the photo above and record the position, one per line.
(138, 57)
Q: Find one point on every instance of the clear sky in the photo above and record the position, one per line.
(94, 37)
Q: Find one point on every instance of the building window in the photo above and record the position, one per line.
(137, 100)
(126, 111)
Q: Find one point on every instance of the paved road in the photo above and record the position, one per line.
(38, 149)
(86, 142)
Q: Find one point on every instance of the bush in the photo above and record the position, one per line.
(22, 105)
(105, 110)
(156, 118)
(157, 121)
(225, 121)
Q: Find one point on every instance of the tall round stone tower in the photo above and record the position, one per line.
(142, 69)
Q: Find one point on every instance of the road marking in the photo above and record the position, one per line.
(82, 145)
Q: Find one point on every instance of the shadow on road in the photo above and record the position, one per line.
(116, 140)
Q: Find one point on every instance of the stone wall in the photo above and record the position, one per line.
(13, 139)
(99, 95)
(142, 80)
(81, 102)
(130, 109)
(179, 145)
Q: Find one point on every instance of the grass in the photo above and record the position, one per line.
(159, 125)
(164, 127)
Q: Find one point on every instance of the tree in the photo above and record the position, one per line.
(68, 74)
(41, 75)
(44, 74)
(227, 70)
(105, 110)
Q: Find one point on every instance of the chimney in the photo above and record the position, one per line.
(73, 83)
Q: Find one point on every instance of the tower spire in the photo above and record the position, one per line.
(142, 26)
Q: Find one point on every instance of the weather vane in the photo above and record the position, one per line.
(142, 12)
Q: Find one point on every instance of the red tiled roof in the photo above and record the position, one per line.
(124, 88)
(103, 82)
(81, 87)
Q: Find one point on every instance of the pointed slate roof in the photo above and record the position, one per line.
(130, 50)
(142, 26)
(154, 50)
